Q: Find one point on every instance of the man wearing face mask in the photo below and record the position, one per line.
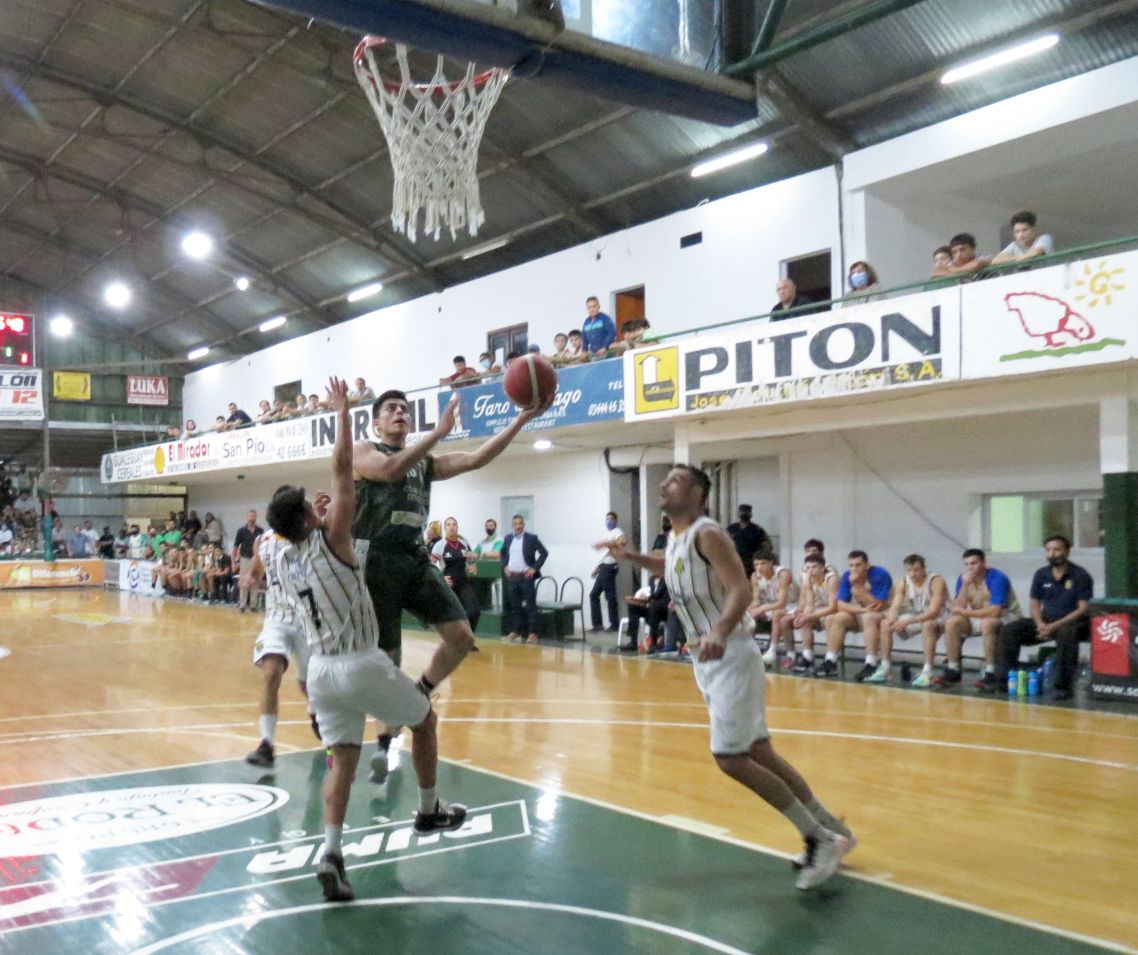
(749, 538)
(604, 575)
(486, 366)
(1060, 597)
(491, 544)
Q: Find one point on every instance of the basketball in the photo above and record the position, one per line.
(530, 380)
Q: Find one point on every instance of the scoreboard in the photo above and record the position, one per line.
(17, 339)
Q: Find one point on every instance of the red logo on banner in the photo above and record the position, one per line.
(1110, 640)
(147, 390)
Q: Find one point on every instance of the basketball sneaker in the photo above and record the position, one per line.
(866, 672)
(988, 683)
(333, 878)
(946, 678)
(826, 668)
(882, 674)
(841, 829)
(801, 664)
(823, 856)
(379, 767)
(923, 680)
(445, 818)
(262, 755)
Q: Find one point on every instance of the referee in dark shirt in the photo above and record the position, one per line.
(1060, 598)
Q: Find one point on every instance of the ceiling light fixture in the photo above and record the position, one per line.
(365, 291)
(117, 294)
(484, 248)
(198, 353)
(197, 245)
(269, 324)
(729, 159)
(242, 282)
(61, 326)
(1003, 57)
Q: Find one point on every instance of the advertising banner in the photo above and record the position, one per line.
(135, 578)
(17, 574)
(585, 394)
(71, 385)
(1114, 650)
(1072, 315)
(302, 439)
(147, 390)
(897, 343)
(21, 394)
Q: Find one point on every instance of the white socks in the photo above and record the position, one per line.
(268, 727)
(804, 820)
(831, 657)
(332, 837)
(427, 800)
(871, 659)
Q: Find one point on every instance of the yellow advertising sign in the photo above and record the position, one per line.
(657, 378)
(71, 385)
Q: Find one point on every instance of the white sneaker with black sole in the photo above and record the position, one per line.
(823, 857)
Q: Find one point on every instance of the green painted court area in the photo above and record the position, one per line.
(218, 858)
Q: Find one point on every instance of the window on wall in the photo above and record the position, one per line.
(1019, 523)
(503, 341)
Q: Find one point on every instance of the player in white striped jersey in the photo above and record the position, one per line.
(710, 595)
(773, 589)
(349, 677)
(282, 635)
(919, 607)
(817, 599)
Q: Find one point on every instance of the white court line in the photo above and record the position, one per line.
(730, 840)
(848, 873)
(527, 904)
(17, 739)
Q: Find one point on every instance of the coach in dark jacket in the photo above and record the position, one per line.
(523, 555)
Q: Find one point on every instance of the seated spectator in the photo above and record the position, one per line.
(105, 544)
(288, 410)
(173, 432)
(190, 525)
(560, 343)
(361, 393)
(487, 366)
(1026, 243)
(598, 332)
(862, 282)
(219, 423)
(632, 333)
(264, 412)
(212, 528)
(917, 610)
(789, 300)
(649, 603)
(237, 418)
(863, 595)
(463, 374)
(942, 258)
(983, 600)
(7, 537)
(817, 601)
(772, 590)
(1059, 601)
(300, 406)
(190, 429)
(315, 405)
(965, 261)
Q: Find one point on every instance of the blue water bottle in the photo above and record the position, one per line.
(1045, 675)
(1013, 682)
(1033, 683)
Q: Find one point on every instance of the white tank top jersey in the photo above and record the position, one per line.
(821, 592)
(697, 594)
(279, 558)
(337, 611)
(917, 599)
(768, 589)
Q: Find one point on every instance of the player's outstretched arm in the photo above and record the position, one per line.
(459, 462)
(342, 508)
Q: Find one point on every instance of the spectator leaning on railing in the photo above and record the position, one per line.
(1027, 243)
(965, 261)
(599, 331)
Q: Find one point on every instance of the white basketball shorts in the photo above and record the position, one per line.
(734, 690)
(285, 640)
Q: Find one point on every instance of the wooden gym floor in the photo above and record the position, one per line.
(984, 825)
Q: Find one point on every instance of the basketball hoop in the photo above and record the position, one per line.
(433, 131)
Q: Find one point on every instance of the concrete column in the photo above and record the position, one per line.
(1118, 457)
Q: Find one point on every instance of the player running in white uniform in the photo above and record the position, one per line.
(918, 607)
(710, 595)
(282, 635)
(349, 677)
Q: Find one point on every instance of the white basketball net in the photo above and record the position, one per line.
(433, 131)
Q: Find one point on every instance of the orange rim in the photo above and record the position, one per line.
(393, 86)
